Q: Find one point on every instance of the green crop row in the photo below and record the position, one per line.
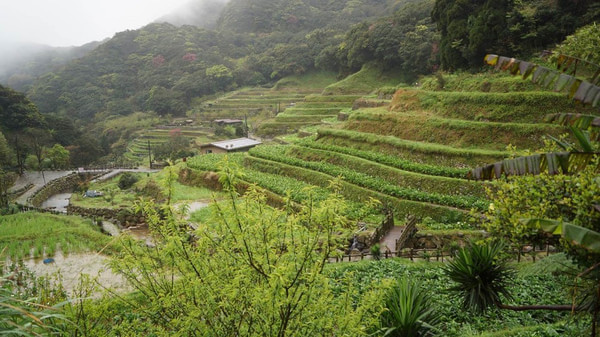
(279, 154)
(359, 194)
(312, 111)
(38, 234)
(265, 100)
(281, 185)
(483, 82)
(424, 182)
(456, 123)
(332, 98)
(388, 160)
(320, 105)
(420, 150)
(285, 118)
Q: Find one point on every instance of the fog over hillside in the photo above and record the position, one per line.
(21, 61)
(202, 13)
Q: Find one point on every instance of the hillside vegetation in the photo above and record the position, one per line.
(413, 152)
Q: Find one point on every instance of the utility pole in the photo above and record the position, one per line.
(20, 159)
(149, 154)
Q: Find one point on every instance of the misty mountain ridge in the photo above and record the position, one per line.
(21, 62)
(200, 13)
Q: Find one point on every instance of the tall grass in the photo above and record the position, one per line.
(460, 133)
(369, 78)
(42, 234)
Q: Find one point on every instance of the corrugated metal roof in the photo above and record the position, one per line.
(234, 144)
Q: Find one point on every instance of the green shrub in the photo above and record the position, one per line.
(481, 278)
(127, 180)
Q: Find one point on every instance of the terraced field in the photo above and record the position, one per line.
(137, 150)
(413, 154)
(250, 102)
(314, 110)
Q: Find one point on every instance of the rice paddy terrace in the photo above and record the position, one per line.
(137, 150)
(253, 104)
(413, 154)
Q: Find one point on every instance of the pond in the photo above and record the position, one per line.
(58, 202)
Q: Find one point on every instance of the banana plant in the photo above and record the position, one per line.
(580, 236)
(572, 160)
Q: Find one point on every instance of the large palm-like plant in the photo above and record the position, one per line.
(481, 277)
(408, 312)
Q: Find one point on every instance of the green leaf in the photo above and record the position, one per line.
(591, 94)
(491, 59)
(576, 120)
(582, 91)
(562, 82)
(583, 139)
(584, 237)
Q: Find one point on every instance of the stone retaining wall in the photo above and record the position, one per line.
(60, 185)
(124, 217)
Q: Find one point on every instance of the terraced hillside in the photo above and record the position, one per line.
(137, 150)
(313, 110)
(253, 104)
(323, 108)
(249, 103)
(413, 155)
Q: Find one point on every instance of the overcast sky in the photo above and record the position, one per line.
(76, 22)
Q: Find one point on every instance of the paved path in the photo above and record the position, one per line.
(389, 240)
(115, 172)
(37, 179)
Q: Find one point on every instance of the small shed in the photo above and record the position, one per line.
(232, 145)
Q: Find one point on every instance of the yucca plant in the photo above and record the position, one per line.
(480, 275)
(408, 312)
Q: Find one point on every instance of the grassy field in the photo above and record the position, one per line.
(38, 234)
(368, 79)
(126, 198)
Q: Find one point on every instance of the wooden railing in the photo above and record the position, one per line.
(409, 230)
